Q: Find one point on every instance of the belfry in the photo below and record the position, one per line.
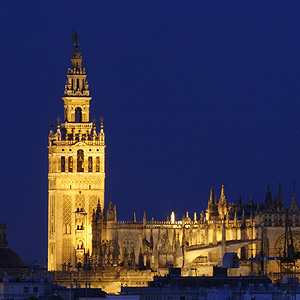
(76, 172)
(87, 237)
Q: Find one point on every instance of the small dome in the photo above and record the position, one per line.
(9, 259)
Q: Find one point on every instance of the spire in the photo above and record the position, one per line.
(243, 217)
(268, 199)
(77, 96)
(279, 198)
(51, 127)
(134, 218)
(251, 200)
(58, 128)
(211, 196)
(77, 84)
(94, 130)
(101, 134)
(235, 219)
(98, 214)
(101, 124)
(294, 206)
(222, 197)
(188, 219)
(202, 217)
(172, 217)
(115, 213)
(111, 212)
(222, 207)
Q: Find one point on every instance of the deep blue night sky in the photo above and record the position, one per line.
(193, 93)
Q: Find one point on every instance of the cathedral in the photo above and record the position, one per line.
(85, 237)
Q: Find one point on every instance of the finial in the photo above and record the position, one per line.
(222, 190)
(58, 120)
(134, 218)
(94, 120)
(101, 124)
(172, 217)
(211, 195)
(268, 198)
(251, 200)
(51, 124)
(75, 40)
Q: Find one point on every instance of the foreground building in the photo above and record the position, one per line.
(82, 234)
(216, 287)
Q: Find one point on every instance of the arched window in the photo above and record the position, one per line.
(80, 245)
(90, 164)
(78, 115)
(80, 161)
(70, 164)
(128, 251)
(63, 164)
(97, 164)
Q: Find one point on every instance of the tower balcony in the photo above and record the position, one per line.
(77, 125)
(96, 142)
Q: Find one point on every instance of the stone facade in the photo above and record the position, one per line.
(255, 232)
(82, 233)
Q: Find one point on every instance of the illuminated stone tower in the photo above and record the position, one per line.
(76, 173)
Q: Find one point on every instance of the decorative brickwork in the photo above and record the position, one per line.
(67, 206)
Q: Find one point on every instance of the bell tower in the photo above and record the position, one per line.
(76, 172)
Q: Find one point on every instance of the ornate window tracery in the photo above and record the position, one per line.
(128, 251)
